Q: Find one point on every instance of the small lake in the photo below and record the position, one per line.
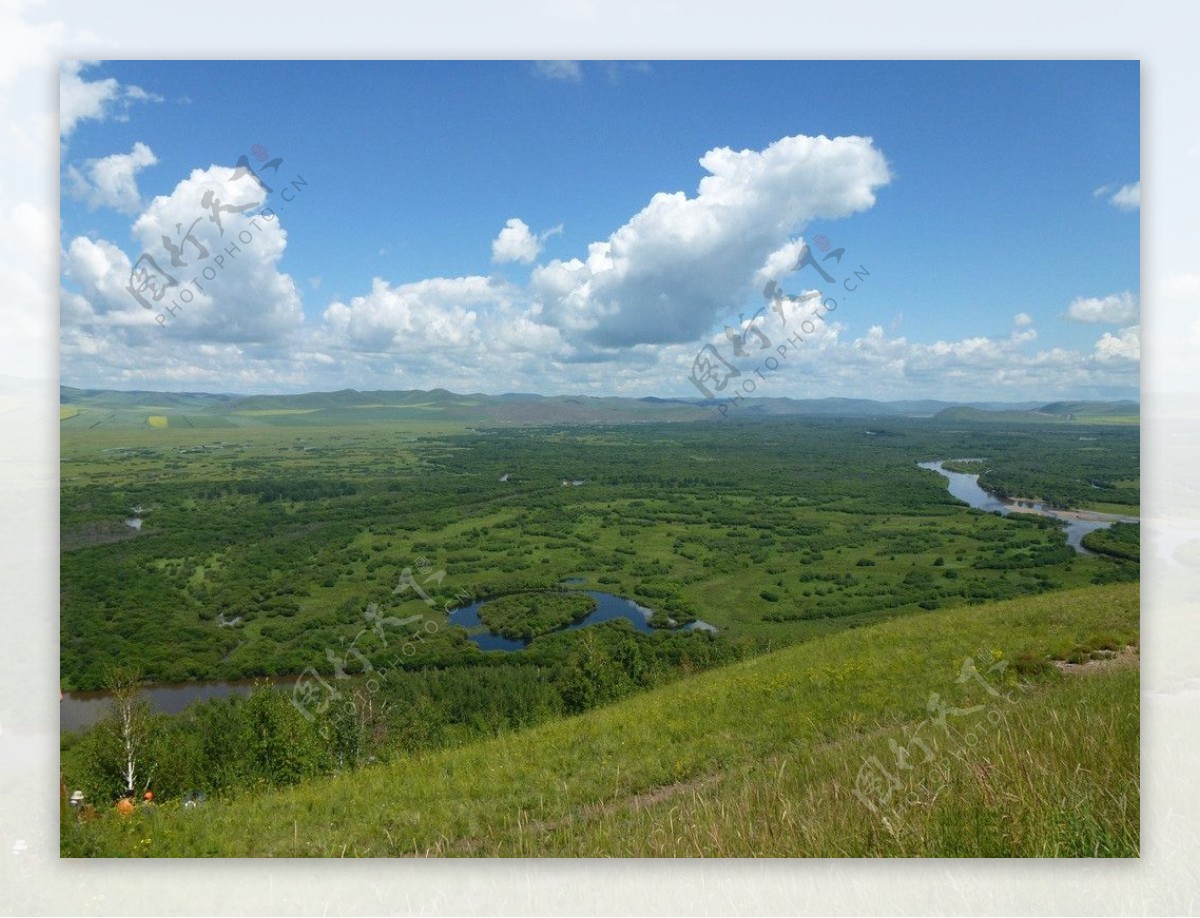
(80, 710)
(608, 607)
(1078, 522)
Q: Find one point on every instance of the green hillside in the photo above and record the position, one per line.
(1122, 412)
(1004, 755)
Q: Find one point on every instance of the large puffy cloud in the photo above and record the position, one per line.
(112, 181)
(670, 272)
(228, 292)
(230, 263)
(1115, 309)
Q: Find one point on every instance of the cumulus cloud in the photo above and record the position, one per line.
(517, 242)
(628, 318)
(568, 71)
(1126, 344)
(678, 264)
(112, 181)
(413, 318)
(96, 100)
(476, 333)
(1128, 197)
(208, 253)
(979, 367)
(1116, 308)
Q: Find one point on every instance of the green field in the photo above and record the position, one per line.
(331, 536)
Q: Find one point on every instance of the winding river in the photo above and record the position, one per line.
(1078, 522)
(80, 710)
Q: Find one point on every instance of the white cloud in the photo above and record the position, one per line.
(79, 99)
(241, 294)
(1128, 197)
(1116, 308)
(780, 262)
(435, 314)
(227, 287)
(628, 318)
(112, 181)
(95, 100)
(473, 333)
(517, 242)
(101, 271)
(569, 71)
(1126, 344)
(682, 262)
(978, 367)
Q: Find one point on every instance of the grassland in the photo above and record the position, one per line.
(762, 758)
(847, 587)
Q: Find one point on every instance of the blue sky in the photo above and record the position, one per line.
(994, 206)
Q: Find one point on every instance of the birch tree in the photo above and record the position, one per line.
(130, 721)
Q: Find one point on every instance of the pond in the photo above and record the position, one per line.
(1078, 522)
(608, 607)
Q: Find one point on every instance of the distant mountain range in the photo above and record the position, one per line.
(201, 409)
(1053, 413)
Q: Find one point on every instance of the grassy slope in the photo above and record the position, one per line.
(758, 758)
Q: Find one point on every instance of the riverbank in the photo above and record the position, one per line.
(965, 486)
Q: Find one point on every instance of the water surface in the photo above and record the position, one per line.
(1078, 522)
(80, 710)
(608, 608)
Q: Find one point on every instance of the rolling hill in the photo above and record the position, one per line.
(111, 408)
(1009, 756)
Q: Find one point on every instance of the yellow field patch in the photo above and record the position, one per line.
(157, 420)
(66, 412)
